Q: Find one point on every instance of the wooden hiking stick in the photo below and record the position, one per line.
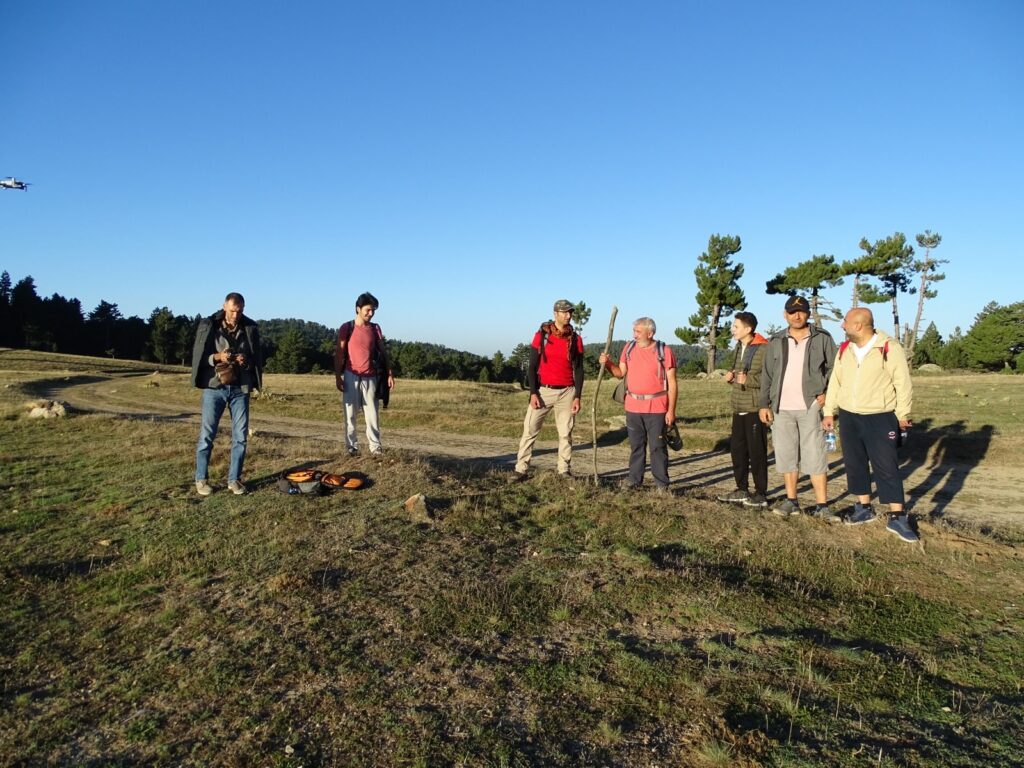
(597, 388)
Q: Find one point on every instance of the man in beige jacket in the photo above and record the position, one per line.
(871, 392)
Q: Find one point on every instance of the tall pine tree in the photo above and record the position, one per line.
(927, 269)
(812, 276)
(718, 296)
(888, 261)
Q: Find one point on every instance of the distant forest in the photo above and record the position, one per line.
(58, 324)
(995, 341)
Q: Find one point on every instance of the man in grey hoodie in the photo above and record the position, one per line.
(797, 365)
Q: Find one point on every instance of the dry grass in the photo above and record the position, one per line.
(529, 624)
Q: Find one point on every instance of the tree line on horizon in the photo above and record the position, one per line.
(995, 341)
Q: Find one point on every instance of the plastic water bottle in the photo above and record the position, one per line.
(830, 440)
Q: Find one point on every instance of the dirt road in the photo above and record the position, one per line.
(980, 496)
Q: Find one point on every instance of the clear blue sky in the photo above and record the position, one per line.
(469, 162)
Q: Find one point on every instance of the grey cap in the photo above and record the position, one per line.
(563, 305)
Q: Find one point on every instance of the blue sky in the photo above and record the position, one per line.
(470, 162)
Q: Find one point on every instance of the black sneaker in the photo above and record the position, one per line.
(756, 500)
(900, 525)
(826, 515)
(862, 513)
(739, 496)
(519, 477)
(786, 508)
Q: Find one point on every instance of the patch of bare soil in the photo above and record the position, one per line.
(965, 495)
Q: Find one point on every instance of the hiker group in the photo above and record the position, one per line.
(797, 385)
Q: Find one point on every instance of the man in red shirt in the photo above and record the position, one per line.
(360, 364)
(555, 377)
(651, 389)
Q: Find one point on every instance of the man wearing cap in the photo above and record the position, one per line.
(555, 379)
(797, 365)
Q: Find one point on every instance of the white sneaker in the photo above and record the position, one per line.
(236, 487)
(203, 488)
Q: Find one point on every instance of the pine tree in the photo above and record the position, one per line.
(929, 348)
(101, 325)
(889, 261)
(997, 336)
(718, 296)
(952, 356)
(25, 303)
(163, 335)
(580, 315)
(6, 330)
(926, 268)
(292, 355)
(812, 275)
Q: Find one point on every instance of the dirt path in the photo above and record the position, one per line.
(981, 496)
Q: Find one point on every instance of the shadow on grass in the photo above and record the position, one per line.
(61, 570)
(955, 452)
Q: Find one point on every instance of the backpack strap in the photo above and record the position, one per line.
(885, 350)
(573, 353)
(659, 347)
(748, 357)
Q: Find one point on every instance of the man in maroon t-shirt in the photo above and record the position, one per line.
(555, 377)
(361, 366)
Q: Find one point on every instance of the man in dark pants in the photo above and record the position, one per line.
(870, 388)
(227, 364)
(650, 370)
(749, 442)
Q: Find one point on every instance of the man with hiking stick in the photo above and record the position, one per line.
(649, 368)
(597, 388)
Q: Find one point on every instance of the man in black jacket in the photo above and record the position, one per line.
(227, 364)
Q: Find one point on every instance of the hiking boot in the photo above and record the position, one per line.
(236, 487)
(203, 488)
(826, 515)
(786, 508)
(519, 477)
(739, 496)
(862, 513)
(756, 500)
(900, 525)
(377, 454)
(353, 451)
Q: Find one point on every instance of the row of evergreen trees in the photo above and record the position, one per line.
(58, 324)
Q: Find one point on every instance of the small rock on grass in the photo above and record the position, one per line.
(418, 508)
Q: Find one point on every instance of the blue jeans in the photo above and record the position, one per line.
(214, 402)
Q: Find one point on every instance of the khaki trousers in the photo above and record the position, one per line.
(559, 401)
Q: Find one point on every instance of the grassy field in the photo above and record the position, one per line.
(530, 624)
